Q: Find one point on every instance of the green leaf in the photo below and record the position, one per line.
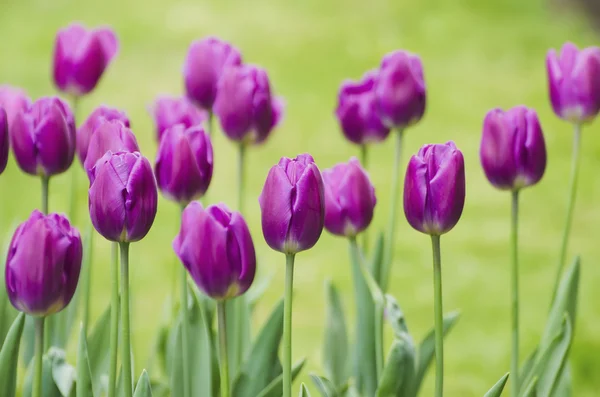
(526, 368)
(496, 390)
(335, 343)
(160, 389)
(324, 385)
(63, 373)
(143, 388)
(377, 260)
(98, 345)
(399, 369)
(549, 377)
(49, 387)
(84, 375)
(563, 387)
(9, 355)
(274, 388)
(395, 316)
(255, 374)
(530, 389)
(303, 391)
(426, 350)
(238, 332)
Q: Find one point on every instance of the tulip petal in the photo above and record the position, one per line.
(276, 207)
(239, 232)
(23, 144)
(141, 200)
(415, 193)
(308, 209)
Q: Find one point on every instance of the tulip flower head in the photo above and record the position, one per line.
(111, 136)
(349, 199)
(434, 188)
(215, 246)
(205, 62)
(13, 100)
(293, 205)
(573, 81)
(184, 163)
(169, 111)
(357, 111)
(4, 142)
(245, 106)
(513, 152)
(123, 196)
(81, 56)
(400, 90)
(43, 264)
(98, 117)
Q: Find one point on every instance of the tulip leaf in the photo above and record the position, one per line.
(563, 386)
(377, 260)
(303, 391)
(530, 389)
(395, 316)
(143, 388)
(238, 332)
(526, 368)
(335, 343)
(84, 376)
(274, 388)
(98, 346)
(324, 386)
(496, 390)
(49, 386)
(63, 373)
(256, 374)
(9, 355)
(399, 369)
(159, 388)
(549, 377)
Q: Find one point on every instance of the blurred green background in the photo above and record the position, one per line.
(477, 54)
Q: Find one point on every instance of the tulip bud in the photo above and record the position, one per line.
(357, 111)
(349, 199)
(111, 136)
(204, 65)
(43, 264)
(573, 80)
(184, 163)
(293, 205)
(400, 90)
(122, 196)
(215, 246)
(43, 137)
(434, 188)
(170, 111)
(245, 107)
(81, 56)
(513, 152)
(3, 140)
(13, 100)
(95, 120)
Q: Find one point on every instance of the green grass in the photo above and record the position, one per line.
(477, 55)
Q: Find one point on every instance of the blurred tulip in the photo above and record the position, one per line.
(246, 109)
(123, 196)
(169, 111)
(400, 90)
(81, 56)
(513, 152)
(293, 205)
(111, 136)
(13, 100)
(357, 111)
(573, 81)
(43, 264)
(184, 163)
(3, 140)
(349, 199)
(203, 67)
(215, 246)
(434, 188)
(98, 117)
(43, 137)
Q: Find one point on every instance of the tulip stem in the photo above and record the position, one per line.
(221, 313)
(390, 241)
(514, 364)
(74, 170)
(39, 353)
(87, 275)
(241, 185)
(439, 317)
(45, 191)
(125, 330)
(287, 325)
(210, 123)
(114, 319)
(570, 206)
(364, 159)
(185, 326)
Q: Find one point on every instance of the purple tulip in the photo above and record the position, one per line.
(81, 56)
(169, 111)
(357, 111)
(434, 188)
(3, 140)
(513, 152)
(95, 120)
(13, 100)
(111, 136)
(293, 205)
(573, 80)
(123, 196)
(245, 107)
(43, 264)
(184, 163)
(400, 90)
(204, 65)
(349, 199)
(215, 246)
(43, 137)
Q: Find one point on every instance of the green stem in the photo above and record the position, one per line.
(439, 317)
(185, 325)
(287, 325)
(39, 354)
(125, 330)
(45, 192)
(514, 363)
(87, 280)
(391, 232)
(74, 170)
(364, 159)
(210, 123)
(241, 185)
(570, 206)
(114, 319)
(221, 313)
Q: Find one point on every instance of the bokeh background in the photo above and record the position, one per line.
(477, 54)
